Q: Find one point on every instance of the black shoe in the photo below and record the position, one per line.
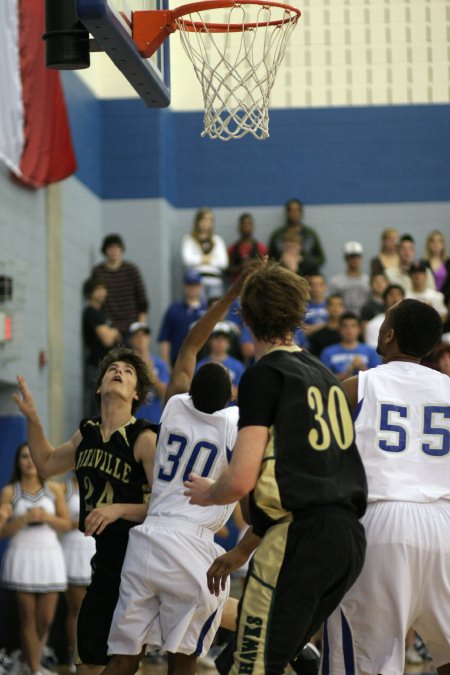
(307, 661)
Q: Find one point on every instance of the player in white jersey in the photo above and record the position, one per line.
(402, 428)
(164, 598)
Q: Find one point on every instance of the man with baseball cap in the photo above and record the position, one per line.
(352, 284)
(180, 316)
(219, 345)
(139, 340)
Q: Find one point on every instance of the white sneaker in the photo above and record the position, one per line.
(412, 656)
(47, 671)
(209, 660)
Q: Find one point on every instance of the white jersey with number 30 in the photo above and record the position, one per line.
(409, 436)
(191, 441)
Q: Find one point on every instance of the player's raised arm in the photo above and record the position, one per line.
(184, 367)
(49, 461)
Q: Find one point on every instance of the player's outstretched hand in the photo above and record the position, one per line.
(25, 401)
(98, 519)
(222, 567)
(197, 489)
(250, 269)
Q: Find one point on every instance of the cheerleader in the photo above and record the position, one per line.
(78, 551)
(5, 514)
(33, 565)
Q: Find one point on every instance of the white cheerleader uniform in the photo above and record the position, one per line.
(34, 561)
(164, 599)
(78, 549)
(403, 434)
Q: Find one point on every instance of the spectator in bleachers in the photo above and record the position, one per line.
(127, 298)
(349, 356)
(353, 283)
(139, 340)
(219, 346)
(420, 290)
(312, 251)
(292, 256)
(446, 323)
(180, 316)
(204, 252)
(99, 336)
(316, 312)
(407, 252)
(392, 294)
(245, 249)
(388, 257)
(245, 341)
(329, 333)
(436, 256)
(375, 303)
(443, 358)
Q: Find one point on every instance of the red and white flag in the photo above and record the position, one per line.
(35, 141)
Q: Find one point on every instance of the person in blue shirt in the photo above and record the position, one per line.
(349, 356)
(219, 345)
(139, 340)
(180, 317)
(316, 310)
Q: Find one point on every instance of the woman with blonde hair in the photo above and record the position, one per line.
(33, 565)
(436, 257)
(206, 253)
(388, 257)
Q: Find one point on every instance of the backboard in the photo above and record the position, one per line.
(109, 22)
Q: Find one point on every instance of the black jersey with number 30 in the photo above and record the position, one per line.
(107, 471)
(311, 459)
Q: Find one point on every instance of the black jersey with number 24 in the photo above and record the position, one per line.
(107, 471)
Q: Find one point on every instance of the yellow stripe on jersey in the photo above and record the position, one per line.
(267, 493)
(254, 621)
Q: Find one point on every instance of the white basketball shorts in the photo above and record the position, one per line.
(405, 583)
(164, 598)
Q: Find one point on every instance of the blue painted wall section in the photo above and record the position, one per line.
(334, 155)
(85, 116)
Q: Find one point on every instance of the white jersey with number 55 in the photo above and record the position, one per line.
(405, 447)
(191, 441)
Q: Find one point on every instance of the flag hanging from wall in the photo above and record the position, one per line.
(35, 141)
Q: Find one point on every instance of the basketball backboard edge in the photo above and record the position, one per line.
(149, 77)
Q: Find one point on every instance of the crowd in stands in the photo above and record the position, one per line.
(341, 324)
(340, 327)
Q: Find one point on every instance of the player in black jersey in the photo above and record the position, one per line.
(296, 456)
(112, 456)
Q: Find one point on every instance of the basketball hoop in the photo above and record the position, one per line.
(235, 63)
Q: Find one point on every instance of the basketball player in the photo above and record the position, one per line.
(296, 456)
(403, 434)
(113, 460)
(164, 599)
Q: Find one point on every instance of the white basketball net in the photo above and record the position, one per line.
(237, 69)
